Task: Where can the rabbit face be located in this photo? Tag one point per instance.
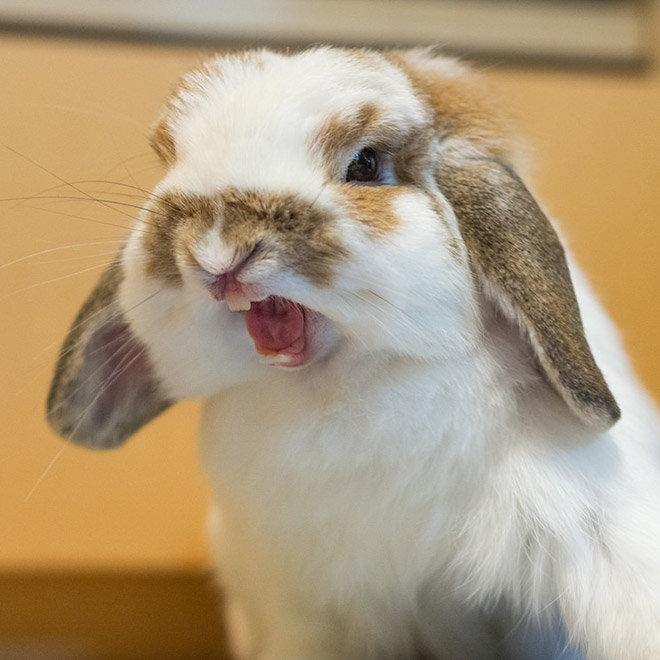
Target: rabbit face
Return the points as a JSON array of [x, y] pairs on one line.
[[319, 205], [298, 215]]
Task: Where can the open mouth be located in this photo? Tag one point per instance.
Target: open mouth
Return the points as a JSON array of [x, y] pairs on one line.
[[280, 330]]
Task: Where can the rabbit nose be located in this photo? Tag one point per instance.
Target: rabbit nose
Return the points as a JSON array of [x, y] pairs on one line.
[[224, 284], [220, 285]]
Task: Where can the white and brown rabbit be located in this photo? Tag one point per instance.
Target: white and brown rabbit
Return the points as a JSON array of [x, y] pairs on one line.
[[413, 449]]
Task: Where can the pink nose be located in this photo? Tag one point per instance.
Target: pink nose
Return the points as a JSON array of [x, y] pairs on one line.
[[223, 284], [226, 286]]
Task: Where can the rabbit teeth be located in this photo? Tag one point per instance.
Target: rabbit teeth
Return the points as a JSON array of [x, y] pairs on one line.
[[237, 301]]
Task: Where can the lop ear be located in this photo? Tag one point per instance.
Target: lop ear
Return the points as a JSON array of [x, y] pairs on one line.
[[104, 388], [518, 256]]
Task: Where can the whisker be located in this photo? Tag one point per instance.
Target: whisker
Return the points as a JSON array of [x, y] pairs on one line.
[[148, 193], [111, 183], [398, 292], [409, 320], [157, 166], [316, 199], [125, 339], [51, 189], [80, 257], [93, 220], [55, 279], [374, 317], [404, 319], [124, 163], [57, 249], [385, 300], [118, 371], [87, 319], [117, 193], [68, 440], [64, 181], [132, 178], [104, 202], [49, 467], [142, 154], [104, 254]]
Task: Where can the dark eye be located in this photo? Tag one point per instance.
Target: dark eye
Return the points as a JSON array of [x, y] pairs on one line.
[[364, 167]]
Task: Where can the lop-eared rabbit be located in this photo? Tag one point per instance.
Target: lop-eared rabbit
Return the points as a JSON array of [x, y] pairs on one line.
[[411, 396]]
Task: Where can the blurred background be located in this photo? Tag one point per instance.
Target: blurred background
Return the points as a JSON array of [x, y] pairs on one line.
[[103, 555]]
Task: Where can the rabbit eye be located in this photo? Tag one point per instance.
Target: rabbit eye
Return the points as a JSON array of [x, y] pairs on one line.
[[364, 167]]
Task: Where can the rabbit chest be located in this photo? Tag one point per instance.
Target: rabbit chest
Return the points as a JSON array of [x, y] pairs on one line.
[[333, 480]]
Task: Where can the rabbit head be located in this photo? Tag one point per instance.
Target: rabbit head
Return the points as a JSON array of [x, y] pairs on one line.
[[314, 203]]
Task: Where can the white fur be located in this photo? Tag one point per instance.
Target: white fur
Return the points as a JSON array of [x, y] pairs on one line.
[[421, 477]]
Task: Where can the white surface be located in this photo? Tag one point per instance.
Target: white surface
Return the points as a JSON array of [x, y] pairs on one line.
[[575, 29]]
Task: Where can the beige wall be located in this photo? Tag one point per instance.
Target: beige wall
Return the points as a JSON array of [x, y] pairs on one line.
[[81, 109]]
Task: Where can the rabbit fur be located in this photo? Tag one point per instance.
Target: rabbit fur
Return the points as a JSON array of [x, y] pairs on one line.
[[416, 450]]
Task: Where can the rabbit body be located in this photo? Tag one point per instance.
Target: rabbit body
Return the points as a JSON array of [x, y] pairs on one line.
[[421, 458], [401, 506]]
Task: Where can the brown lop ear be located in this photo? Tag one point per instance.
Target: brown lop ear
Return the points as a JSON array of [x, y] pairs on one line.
[[104, 388], [515, 250]]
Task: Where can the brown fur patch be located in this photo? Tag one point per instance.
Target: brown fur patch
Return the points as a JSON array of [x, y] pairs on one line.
[[176, 220], [162, 141], [373, 205], [301, 231], [513, 246], [161, 136], [460, 104], [339, 134], [412, 161]]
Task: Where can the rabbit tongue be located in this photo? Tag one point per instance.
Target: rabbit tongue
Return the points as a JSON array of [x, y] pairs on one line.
[[276, 325]]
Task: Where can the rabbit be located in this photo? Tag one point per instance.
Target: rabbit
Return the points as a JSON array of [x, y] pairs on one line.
[[412, 398]]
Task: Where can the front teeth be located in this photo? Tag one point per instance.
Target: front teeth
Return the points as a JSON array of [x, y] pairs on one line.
[[237, 301]]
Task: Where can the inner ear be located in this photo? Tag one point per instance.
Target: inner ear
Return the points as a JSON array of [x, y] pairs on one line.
[[104, 388], [521, 263]]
